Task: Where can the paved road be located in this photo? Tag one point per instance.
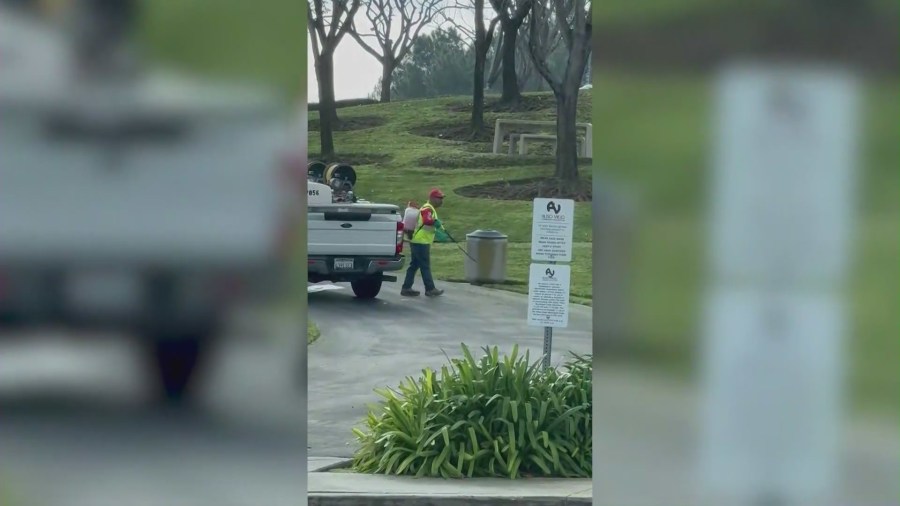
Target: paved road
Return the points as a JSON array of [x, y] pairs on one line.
[[369, 344], [74, 429]]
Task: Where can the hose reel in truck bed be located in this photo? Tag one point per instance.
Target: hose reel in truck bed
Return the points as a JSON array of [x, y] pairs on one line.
[[339, 178]]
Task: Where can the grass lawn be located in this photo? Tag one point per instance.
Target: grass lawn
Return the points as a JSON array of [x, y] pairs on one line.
[[410, 164], [312, 332], [616, 12], [6, 497], [262, 40], [670, 115]]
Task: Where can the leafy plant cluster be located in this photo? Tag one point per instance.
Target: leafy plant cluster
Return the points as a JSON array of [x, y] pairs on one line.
[[493, 417]]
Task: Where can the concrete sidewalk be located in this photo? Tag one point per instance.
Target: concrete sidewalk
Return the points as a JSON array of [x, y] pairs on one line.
[[351, 489]]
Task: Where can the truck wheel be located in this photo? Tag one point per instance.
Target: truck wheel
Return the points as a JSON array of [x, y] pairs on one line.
[[367, 288], [176, 360]]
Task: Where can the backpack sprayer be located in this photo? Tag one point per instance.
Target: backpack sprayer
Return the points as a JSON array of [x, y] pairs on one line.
[[411, 218]]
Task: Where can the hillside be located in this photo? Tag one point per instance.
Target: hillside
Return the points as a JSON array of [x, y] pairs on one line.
[[403, 149]]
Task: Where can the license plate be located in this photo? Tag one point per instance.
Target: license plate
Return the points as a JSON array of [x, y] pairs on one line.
[[343, 264], [103, 291]]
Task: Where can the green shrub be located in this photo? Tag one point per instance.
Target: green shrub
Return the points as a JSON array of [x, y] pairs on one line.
[[494, 417], [312, 332]]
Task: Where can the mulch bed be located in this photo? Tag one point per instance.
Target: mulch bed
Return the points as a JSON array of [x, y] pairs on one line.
[[529, 189], [354, 158], [529, 103], [351, 123], [454, 131]]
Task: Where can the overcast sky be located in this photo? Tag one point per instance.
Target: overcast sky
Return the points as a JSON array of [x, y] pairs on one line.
[[356, 72]]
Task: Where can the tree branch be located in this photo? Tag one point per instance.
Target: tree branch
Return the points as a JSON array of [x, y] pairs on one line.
[[369, 49], [336, 14], [348, 21], [490, 33], [313, 36], [562, 20], [496, 65], [522, 10], [538, 57], [413, 16]]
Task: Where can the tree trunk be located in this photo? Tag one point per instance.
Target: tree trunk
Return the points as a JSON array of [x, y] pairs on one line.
[[327, 109], [566, 133], [511, 92], [478, 80], [387, 79], [478, 94]]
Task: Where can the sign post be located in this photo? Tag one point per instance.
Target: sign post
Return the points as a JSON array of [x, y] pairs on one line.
[[548, 282]]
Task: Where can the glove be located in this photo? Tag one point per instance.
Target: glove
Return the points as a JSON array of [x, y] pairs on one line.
[[438, 224]]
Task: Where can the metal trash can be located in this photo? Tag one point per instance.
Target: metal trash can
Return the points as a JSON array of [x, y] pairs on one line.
[[488, 248]]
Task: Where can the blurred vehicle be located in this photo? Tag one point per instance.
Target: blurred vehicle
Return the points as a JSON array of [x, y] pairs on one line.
[[350, 239], [132, 199]]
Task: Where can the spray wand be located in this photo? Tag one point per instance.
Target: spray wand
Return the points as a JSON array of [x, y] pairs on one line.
[[459, 246]]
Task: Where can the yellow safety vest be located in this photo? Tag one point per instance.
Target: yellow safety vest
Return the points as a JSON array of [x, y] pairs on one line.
[[424, 234]]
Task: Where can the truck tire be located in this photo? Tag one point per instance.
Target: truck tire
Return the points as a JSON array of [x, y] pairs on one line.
[[367, 288], [175, 360]]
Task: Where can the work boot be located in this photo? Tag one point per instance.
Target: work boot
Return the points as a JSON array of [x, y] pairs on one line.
[[434, 292], [409, 292]]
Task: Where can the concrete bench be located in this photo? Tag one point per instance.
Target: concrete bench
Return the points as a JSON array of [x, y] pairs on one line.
[[504, 127], [521, 139]]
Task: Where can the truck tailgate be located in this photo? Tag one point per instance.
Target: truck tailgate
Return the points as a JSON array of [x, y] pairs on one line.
[[357, 231]]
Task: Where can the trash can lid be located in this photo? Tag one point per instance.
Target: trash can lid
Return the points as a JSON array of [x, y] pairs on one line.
[[486, 234]]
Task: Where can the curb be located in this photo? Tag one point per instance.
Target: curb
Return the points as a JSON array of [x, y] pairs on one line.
[[325, 499], [330, 467]]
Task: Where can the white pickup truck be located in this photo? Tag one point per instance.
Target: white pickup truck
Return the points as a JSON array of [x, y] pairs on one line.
[[147, 203], [350, 239]]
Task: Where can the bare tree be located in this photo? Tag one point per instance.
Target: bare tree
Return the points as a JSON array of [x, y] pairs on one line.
[[496, 60], [483, 38], [382, 14], [329, 21], [573, 19], [550, 39], [512, 14]]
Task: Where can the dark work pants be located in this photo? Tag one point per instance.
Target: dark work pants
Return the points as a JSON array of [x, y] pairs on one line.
[[420, 260]]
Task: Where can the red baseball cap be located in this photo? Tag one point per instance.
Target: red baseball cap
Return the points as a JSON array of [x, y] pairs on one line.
[[436, 194]]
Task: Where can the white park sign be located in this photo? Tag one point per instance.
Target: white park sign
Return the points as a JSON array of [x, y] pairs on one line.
[[552, 227], [548, 295], [551, 230]]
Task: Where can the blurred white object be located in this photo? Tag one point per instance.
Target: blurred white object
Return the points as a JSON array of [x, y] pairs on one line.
[[773, 375], [150, 204], [782, 208], [34, 58], [784, 175], [322, 287]]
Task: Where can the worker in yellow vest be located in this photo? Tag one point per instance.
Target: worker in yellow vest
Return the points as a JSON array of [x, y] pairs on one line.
[[420, 246]]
